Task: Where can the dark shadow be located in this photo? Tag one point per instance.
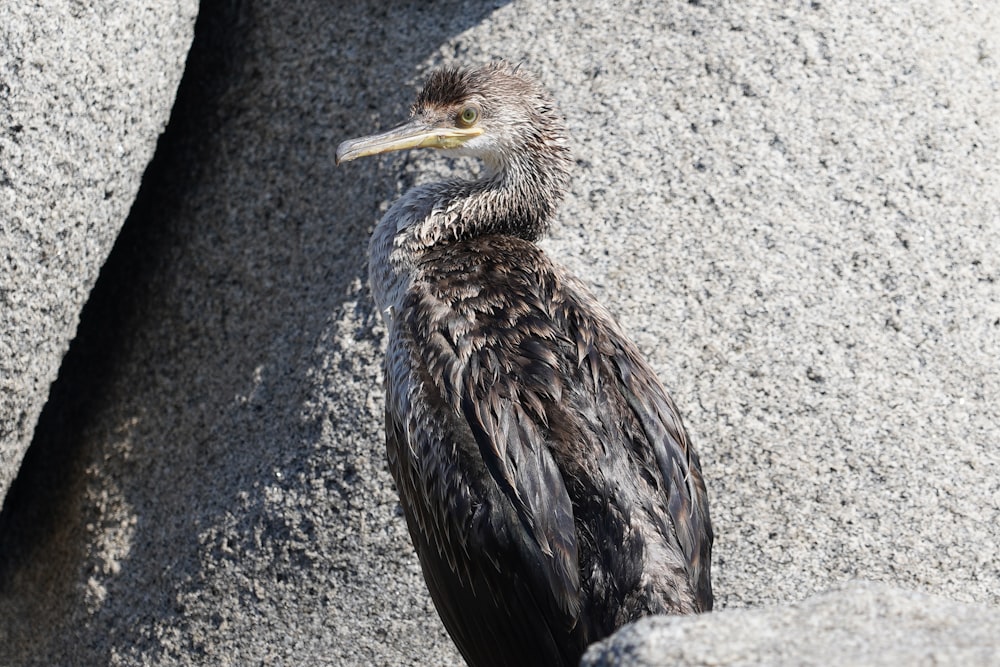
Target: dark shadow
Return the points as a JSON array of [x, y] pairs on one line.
[[161, 308], [46, 480]]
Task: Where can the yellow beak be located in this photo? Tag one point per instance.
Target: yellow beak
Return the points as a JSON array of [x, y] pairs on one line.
[[415, 134]]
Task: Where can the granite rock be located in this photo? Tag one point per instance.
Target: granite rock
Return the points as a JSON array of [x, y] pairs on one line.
[[860, 624], [86, 89], [790, 207]]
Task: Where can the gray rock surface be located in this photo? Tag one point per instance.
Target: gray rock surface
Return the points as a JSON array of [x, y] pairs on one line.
[[85, 90], [793, 209], [861, 624]]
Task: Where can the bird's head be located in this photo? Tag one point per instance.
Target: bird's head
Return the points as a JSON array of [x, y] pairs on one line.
[[496, 112]]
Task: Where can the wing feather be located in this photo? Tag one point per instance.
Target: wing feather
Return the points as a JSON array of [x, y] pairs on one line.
[[511, 479]]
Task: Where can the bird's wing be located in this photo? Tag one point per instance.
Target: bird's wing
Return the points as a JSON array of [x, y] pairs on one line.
[[481, 333], [541, 390], [487, 597], [484, 354], [631, 409], [680, 470]]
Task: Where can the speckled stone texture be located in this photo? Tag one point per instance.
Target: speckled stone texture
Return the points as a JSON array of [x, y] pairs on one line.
[[792, 207], [85, 90], [861, 624]]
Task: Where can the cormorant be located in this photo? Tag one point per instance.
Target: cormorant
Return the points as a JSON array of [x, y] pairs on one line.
[[548, 484]]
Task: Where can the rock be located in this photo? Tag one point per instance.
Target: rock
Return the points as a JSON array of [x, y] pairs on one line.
[[789, 207], [85, 90], [860, 624]]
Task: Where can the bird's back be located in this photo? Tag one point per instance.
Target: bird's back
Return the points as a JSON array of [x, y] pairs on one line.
[[547, 481]]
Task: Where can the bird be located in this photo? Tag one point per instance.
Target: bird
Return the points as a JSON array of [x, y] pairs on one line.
[[547, 481]]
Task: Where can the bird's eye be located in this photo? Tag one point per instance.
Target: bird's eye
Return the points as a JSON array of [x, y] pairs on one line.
[[469, 116]]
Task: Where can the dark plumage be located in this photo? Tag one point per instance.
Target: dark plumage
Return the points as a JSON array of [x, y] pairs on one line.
[[548, 483]]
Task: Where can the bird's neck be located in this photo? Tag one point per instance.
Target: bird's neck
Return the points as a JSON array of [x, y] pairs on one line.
[[516, 199]]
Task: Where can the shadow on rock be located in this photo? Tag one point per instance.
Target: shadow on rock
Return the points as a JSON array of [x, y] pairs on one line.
[[207, 478]]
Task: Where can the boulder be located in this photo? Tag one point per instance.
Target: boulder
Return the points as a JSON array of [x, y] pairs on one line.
[[863, 623], [790, 208], [86, 89]]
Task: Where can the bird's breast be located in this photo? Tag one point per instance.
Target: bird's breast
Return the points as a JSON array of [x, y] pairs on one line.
[[396, 244], [390, 272]]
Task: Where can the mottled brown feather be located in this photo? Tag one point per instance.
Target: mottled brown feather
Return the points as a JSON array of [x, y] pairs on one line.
[[549, 390]]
